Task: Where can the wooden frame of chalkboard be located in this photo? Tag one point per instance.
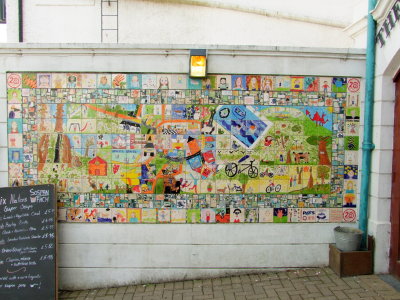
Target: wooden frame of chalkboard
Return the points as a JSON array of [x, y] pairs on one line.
[[28, 243]]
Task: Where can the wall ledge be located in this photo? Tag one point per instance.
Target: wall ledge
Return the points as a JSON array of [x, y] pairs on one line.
[[169, 49]]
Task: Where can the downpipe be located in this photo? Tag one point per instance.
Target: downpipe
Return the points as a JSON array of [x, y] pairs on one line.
[[367, 145]]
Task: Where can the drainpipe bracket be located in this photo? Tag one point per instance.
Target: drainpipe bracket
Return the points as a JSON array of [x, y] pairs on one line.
[[368, 146]]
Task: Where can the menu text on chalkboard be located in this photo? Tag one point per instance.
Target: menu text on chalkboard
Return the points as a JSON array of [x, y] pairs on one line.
[[28, 242]]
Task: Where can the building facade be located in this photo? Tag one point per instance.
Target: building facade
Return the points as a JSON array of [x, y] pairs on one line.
[[383, 202], [316, 92]]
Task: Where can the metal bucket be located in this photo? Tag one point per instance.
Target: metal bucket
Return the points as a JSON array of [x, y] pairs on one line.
[[347, 238]]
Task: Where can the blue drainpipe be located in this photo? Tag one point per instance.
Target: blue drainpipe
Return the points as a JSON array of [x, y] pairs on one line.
[[367, 145]]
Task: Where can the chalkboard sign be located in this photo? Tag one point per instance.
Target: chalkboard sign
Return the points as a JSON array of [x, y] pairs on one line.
[[28, 243]]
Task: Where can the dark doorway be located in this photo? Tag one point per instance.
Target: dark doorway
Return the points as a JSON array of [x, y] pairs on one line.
[[394, 264]]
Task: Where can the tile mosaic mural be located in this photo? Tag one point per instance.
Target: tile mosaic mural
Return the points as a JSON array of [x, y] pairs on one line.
[[165, 148]]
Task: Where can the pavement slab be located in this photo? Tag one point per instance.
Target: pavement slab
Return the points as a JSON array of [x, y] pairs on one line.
[[297, 284]]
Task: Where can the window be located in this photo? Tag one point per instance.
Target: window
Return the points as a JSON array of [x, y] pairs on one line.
[[2, 11]]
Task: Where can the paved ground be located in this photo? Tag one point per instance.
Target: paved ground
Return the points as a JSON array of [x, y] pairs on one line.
[[314, 283]]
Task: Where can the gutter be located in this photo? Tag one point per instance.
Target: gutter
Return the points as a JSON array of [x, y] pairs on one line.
[[367, 145]]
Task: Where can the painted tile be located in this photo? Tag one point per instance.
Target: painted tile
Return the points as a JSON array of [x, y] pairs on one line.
[[61, 214], [265, 215], [308, 215], [89, 81], [104, 215], [251, 215], [149, 81], [237, 215], [296, 83], [14, 80], [59, 81], [349, 215], [238, 82], [353, 99], [224, 82], [44, 81], [339, 84], [193, 216], [253, 82], [222, 215], [164, 215], [280, 215], [336, 215], [322, 215], [311, 84], [14, 96], [74, 80], [75, 215], [208, 215], [178, 215], [282, 83], [29, 80], [353, 85], [90, 215], [294, 215], [149, 215]]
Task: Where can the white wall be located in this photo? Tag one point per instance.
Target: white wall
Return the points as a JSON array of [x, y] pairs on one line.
[[177, 23], [98, 255], [310, 23], [55, 21], [387, 65], [3, 33], [122, 254]]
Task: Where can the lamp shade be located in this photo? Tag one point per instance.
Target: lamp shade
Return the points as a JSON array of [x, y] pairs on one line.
[[198, 63]]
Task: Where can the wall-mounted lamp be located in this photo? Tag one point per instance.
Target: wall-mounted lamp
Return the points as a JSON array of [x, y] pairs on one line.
[[198, 63]]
